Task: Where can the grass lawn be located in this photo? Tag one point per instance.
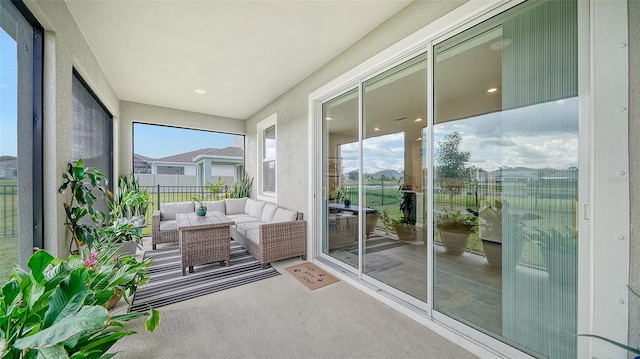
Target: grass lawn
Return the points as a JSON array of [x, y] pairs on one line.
[[8, 256]]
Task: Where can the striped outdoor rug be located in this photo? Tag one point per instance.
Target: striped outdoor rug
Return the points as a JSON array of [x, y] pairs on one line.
[[167, 285]]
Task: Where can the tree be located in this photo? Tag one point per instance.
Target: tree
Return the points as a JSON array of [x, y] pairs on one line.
[[451, 165]]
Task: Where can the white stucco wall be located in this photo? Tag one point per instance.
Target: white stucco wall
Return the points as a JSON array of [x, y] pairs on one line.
[[65, 49]]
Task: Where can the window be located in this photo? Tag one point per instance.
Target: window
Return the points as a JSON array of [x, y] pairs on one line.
[[174, 156], [267, 154], [21, 39]]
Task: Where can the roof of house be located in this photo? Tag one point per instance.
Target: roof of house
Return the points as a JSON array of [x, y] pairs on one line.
[[8, 162], [188, 157]]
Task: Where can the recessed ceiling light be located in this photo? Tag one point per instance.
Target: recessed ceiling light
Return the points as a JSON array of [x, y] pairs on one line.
[[377, 129], [418, 119], [493, 89], [200, 91], [329, 119]]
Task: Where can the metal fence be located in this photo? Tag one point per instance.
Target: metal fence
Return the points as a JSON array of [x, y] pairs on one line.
[[9, 210], [375, 195], [164, 194]]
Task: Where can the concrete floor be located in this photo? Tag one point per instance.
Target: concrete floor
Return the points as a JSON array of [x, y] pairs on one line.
[[280, 318]]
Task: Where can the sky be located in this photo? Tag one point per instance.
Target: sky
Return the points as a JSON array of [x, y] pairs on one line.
[[538, 136], [8, 95], [162, 141]]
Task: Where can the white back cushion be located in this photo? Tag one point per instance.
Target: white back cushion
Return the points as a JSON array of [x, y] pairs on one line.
[[284, 215], [247, 205], [268, 212], [215, 206], [169, 210], [235, 205], [256, 209]]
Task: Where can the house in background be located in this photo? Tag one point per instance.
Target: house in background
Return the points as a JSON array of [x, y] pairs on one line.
[[226, 164], [8, 167], [193, 168]]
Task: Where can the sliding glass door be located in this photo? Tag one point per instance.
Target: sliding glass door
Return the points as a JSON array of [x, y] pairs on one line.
[[374, 177], [340, 175], [465, 206], [506, 177]]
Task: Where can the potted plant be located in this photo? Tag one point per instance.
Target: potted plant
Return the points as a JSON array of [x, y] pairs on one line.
[[455, 227], [137, 202], [242, 188], [129, 203], [84, 183], [493, 219], [122, 235], [490, 232], [201, 209], [559, 252]]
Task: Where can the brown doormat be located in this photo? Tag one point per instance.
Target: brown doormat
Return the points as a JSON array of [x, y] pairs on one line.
[[311, 275]]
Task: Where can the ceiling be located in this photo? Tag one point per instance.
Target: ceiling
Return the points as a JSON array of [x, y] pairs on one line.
[[244, 54]]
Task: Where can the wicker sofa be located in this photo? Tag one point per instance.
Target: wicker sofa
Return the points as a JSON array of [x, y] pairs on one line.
[[264, 229]]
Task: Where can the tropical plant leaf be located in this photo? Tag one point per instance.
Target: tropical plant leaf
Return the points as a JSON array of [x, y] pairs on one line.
[[67, 298], [38, 263], [153, 322], [10, 292], [101, 342], [55, 274], [90, 318], [619, 345], [125, 317], [35, 293], [53, 352], [78, 170]]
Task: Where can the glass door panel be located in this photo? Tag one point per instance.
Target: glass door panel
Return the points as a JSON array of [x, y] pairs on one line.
[[341, 169], [8, 145], [394, 115], [506, 177]]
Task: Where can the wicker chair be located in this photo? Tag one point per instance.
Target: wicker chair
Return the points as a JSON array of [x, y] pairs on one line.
[[275, 241], [163, 222]]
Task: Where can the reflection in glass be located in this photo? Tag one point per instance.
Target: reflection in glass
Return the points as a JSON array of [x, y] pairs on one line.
[[341, 165], [394, 245], [506, 177], [269, 160]]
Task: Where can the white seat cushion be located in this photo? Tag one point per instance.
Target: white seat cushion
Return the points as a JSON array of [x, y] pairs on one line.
[[244, 227], [245, 219], [253, 235], [168, 225]]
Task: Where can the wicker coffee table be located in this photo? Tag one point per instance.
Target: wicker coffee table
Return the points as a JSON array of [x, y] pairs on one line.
[[203, 239]]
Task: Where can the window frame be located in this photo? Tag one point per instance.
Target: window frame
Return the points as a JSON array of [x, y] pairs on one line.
[[36, 200], [262, 126]]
